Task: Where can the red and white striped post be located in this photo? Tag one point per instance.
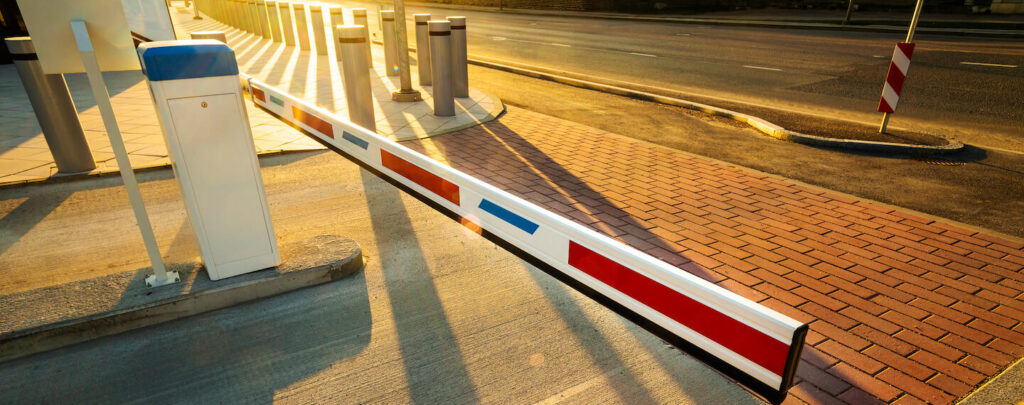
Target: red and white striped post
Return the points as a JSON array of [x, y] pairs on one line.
[[898, 68]]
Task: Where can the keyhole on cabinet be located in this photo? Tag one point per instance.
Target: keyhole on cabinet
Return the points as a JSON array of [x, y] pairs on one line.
[[203, 104]]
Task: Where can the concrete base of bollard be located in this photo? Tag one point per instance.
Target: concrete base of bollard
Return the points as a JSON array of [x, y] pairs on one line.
[[66, 314], [406, 96]]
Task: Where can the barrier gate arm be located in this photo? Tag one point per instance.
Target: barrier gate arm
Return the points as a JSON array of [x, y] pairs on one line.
[[754, 344]]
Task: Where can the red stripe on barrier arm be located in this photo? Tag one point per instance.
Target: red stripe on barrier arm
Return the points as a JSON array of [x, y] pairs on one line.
[[746, 341], [313, 121], [895, 78], [257, 93], [430, 181]]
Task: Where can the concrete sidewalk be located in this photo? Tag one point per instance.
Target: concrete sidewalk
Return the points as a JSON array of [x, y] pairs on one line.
[[902, 307]]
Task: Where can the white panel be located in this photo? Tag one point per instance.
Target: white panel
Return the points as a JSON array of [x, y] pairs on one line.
[[49, 25], [224, 188]]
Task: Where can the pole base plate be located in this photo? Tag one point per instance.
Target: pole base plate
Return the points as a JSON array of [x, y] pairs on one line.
[[406, 96], [172, 277]]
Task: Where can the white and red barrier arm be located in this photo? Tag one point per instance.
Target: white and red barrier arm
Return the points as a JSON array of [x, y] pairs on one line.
[[755, 344]]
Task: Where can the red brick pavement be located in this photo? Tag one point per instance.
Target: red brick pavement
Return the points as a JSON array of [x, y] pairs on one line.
[[901, 308]]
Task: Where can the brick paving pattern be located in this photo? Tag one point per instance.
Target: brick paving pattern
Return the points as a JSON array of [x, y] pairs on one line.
[[901, 308]]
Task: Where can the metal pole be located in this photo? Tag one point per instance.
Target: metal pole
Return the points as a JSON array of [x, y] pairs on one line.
[[460, 64], [441, 69], [99, 90], [849, 10], [356, 74], [55, 110], [422, 48], [195, 10], [406, 93], [359, 18], [913, 21], [910, 37]]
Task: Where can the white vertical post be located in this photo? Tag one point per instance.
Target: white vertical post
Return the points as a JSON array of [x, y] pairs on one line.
[[440, 63], [336, 19], [423, 48], [356, 74], [287, 29], [275, 21], [316, 16], [301, 29], [359, 18], [387, 28], [460, 68], [99, 90]]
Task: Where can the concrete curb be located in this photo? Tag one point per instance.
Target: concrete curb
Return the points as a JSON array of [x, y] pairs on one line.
[[768, 128], [75, 312], [1009, 34]]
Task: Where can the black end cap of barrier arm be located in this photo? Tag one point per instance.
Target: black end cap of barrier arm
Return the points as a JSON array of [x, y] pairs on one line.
[[773, 395]]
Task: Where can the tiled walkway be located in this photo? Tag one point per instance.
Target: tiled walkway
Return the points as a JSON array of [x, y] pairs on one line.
[[24, 155], [902, 308]]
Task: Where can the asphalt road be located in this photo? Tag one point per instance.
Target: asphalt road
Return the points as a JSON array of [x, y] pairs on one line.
[[970, 88]]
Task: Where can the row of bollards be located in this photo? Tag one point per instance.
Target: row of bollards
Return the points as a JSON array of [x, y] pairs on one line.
[[441, 46]]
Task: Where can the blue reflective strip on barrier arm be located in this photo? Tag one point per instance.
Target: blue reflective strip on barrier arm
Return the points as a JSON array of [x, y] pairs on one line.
[[508, 216]]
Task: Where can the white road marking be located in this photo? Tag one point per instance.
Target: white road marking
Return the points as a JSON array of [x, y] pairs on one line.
[[561, 45], [643, 54], [762, 68], [878, 56], [682, 35], [499, 38], [988, 64]]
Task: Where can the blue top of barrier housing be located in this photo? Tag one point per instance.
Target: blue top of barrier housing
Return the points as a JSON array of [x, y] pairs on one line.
[[188, 59]]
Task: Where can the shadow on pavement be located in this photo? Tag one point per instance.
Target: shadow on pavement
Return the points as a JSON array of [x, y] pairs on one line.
[[433, 362]]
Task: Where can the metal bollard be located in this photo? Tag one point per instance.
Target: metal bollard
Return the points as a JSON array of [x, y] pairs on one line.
[[254, 17], [301, 29], [54, 109], [422, 48], [275, 21], [218, 35], [460, 68], [356, 74], [387, 28], [285, 10], [336, 18], [261, 14], [441, 70], [250, 17], [359, 18], [316, 14]]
